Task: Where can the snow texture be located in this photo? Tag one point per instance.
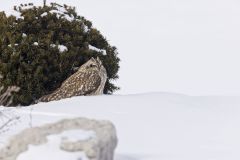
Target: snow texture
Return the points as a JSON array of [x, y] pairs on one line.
[[62, 48], [8, 118], [60, 12], [11, 45], [53, 146], [77, 135], [86, 29], [44, 14], [78, 138], [152, 126], [24, 35], [53, 45], [97, 49], [26, 7]]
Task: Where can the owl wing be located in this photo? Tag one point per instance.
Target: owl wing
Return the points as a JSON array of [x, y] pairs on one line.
[[82, 83]]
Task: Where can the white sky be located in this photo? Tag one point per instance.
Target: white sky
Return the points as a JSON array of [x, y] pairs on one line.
[[187, 46]]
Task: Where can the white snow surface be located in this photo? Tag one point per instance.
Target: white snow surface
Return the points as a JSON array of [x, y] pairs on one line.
[[60, 12], [97, 49], [77, 135], [24, 35], [154, 126], [44, 14], [53, 147], [62, 48], [53, 45]]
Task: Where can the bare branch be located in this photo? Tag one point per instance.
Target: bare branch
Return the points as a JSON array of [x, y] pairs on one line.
[[6, 98], [5, 124]]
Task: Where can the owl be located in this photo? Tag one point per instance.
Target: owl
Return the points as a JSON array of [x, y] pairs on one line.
[[89, 79]]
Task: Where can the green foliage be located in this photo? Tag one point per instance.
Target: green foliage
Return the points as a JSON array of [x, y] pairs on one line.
[[29, 50]]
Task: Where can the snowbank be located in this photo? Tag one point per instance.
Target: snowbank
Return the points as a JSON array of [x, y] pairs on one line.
[[68, 139], [154, 126]]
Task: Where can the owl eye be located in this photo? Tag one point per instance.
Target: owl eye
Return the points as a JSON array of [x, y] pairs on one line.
[[91, 65]]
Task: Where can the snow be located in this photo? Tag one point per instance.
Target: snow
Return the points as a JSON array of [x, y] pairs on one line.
[[44, 14], [14, 45], [152, 126], [62, 48], [97, 49], [24, 35], [86, 29], [78, 135], [60, 12], [53, 45], [53, 147], [17, 15]]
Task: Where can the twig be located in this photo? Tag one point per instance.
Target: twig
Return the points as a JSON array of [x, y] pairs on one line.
[[8, 122], [6, 98]]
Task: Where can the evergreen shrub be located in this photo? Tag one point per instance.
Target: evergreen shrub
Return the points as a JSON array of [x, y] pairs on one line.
[[43, 45]]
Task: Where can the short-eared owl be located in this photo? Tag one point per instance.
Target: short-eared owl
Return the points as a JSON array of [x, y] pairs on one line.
[[90, 79]]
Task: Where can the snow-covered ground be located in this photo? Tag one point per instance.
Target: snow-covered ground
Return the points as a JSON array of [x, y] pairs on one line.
[[154, 126], [52, 146]]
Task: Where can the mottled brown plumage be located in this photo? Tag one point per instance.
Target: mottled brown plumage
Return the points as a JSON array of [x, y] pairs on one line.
[[90, 79]]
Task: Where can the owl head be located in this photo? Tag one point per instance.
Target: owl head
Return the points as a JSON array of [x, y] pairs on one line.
[[94, 64]]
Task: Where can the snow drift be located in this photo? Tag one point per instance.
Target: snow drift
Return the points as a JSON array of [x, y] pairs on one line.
[[71, 139], [152, 126]]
